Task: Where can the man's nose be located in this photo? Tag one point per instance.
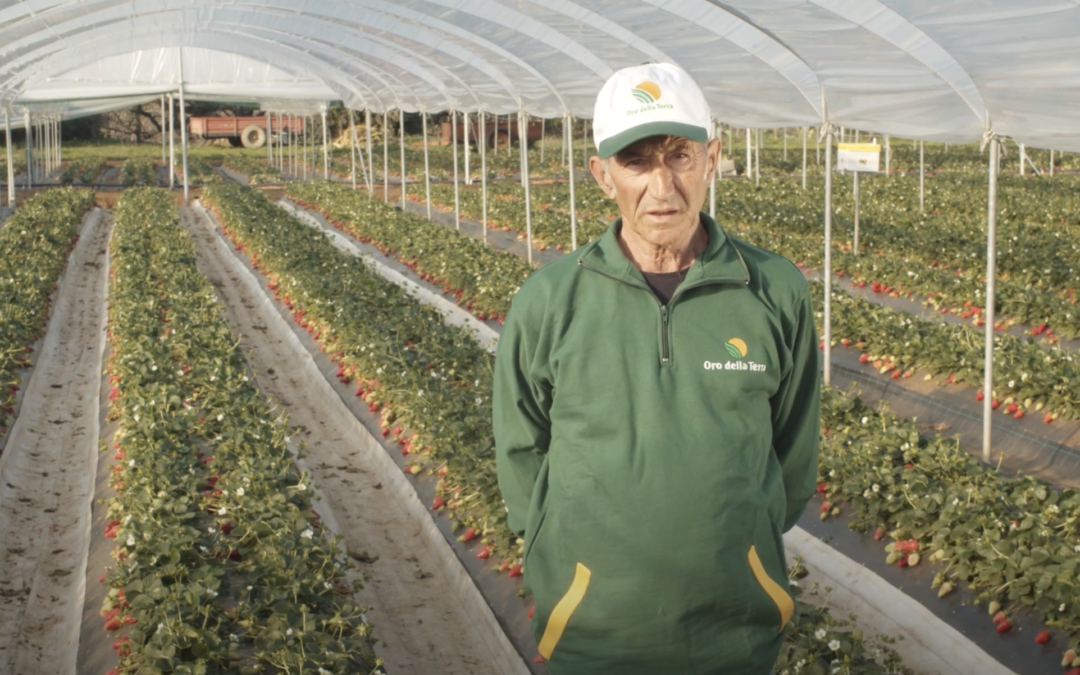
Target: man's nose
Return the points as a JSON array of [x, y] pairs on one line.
[[661, 180]]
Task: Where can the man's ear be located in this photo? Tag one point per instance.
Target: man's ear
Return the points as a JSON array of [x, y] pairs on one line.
[[603, 178], [712, 156]]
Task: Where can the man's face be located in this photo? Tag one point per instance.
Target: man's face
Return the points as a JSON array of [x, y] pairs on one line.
[[660, 184]]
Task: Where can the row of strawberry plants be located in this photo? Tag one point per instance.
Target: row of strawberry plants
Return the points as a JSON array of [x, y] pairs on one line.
[[82, 170], [1015, 542], [257, 170], [138, 171], [221, 565], [431, 385], [34, 246], [1038, 242], [481, 278], [1027, 377]]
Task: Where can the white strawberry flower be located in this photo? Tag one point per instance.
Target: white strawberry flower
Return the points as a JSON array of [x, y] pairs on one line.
[[834, 645], [131, 540], [221, 511], [307, 534], [865, 420], [820, 633], [220, 417], [289, 632], [211, 530], [239, 492]]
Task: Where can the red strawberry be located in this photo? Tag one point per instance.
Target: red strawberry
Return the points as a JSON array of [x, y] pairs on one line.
[[515, 571], [863, 358], [821, 487], [1018, 414], [226, 527], [879, 534], [235, 556], [113, 624], [484, 553], [438, 503], [825, 506], [994, 404], [1042, 638], [1004, 626], [540, 659], [979, 396], [469, 535], [999, 617], [1011, 408], [1048, 418]]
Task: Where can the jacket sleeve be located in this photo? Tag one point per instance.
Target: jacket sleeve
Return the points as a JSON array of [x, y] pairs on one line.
[[521, 403], [796, 410]]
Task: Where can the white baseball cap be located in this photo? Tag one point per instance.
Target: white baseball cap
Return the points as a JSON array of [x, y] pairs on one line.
[[655, 99]]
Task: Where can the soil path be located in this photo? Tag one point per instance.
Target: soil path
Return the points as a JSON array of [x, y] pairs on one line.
[[47, 474], [422, 623]]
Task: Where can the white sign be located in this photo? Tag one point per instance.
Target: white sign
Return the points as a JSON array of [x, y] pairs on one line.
[[865, 157]]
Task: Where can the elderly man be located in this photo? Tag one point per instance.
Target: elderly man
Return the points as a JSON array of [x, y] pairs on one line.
[[656, 413]]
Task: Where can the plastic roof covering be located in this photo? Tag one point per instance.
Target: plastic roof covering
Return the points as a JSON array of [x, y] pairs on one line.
[[926, 69]]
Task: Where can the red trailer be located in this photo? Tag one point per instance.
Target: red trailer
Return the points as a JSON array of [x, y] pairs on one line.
[[249, 132], [500, 137]]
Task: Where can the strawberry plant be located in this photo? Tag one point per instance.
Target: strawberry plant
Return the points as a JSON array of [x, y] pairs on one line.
[[34, 246], [138, 171], [1014, 541], [221, 565], [481, 278], [257, 171]]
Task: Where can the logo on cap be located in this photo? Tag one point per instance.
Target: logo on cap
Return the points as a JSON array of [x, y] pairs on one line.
[[736, 347], [646, 92]]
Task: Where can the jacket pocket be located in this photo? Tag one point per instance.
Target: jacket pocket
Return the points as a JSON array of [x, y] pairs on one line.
[[779, 596], [564, 609]]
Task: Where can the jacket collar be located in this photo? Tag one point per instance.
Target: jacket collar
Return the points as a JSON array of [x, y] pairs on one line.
[[720, 262]]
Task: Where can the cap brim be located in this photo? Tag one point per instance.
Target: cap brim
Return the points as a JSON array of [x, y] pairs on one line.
[[610, 146]]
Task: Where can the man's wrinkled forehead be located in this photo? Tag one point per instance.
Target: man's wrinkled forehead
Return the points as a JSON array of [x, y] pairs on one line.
[[654, 145]]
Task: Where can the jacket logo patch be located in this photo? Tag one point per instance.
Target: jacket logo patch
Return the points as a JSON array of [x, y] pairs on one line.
[[737, 348]]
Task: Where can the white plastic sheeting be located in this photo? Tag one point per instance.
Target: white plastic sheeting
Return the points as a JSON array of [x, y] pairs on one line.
[[910, 68]]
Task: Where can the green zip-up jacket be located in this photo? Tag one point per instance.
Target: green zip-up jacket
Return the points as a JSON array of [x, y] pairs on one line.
[[652, 456]]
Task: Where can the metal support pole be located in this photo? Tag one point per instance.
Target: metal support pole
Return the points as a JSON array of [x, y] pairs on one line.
[[183, 142], [585, 140], [163, 129], [1023, 158], [483, 171], [352, 147], [855, 193], [10, 158], [888, 155], [804, 132], [304, 145], [573, 210], [1051, 161], [523, 147], [749, 155], [922, 179], [427, 164], [453, 141], [370, 157], [401, 146], [46, 147], [465, 128], [326, 149], [386, 155], [785, 144], [269, 138], [827, 272], [757, 158], [543, 133], [172, 142], [562, 144], [29, 150], [991, 276]]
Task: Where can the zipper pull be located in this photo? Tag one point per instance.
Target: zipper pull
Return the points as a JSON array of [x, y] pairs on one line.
[[664, 313]]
